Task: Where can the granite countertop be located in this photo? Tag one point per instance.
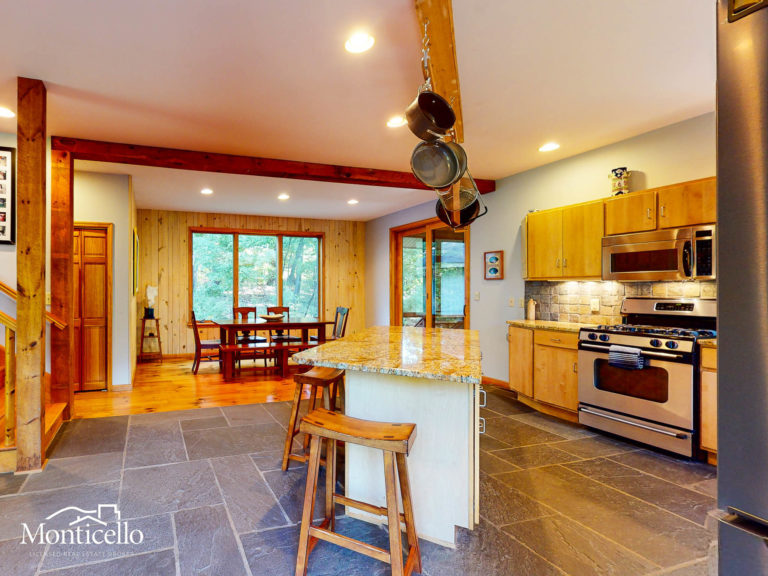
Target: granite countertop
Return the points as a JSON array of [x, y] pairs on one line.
[[708, 342], [432, 353], [549, 325]]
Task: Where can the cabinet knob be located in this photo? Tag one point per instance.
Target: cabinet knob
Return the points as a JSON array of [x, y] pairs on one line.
[[648, 213], [555, 339], [557, 263], [575, 368], [661, 211], [565, 262]]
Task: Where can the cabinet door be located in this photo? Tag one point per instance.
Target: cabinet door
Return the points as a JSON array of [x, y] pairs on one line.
[[687, 204], [709, 410], [545, 244], [582, 236], [633, 212], [555, 377], [521, 360]]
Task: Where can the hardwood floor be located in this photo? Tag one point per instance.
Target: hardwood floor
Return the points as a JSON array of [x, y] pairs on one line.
[[172, 386]]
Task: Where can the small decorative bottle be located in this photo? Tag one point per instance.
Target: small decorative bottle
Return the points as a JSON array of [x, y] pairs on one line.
[[531, 311]]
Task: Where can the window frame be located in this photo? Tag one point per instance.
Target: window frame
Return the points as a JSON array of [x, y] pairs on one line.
[[280, 234]]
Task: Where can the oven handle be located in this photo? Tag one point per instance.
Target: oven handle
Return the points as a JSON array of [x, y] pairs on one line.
[[635, 424], [644, 352]]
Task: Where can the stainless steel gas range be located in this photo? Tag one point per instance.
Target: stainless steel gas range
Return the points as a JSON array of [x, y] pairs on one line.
[[640, 379]]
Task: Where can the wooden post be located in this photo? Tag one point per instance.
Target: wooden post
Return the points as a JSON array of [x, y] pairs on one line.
[[10, 386], [30, 274], [62, 282]]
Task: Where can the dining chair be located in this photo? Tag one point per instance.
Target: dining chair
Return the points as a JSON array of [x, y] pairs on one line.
[[201, 345], [281, 335], [339, 324], [245, 337]]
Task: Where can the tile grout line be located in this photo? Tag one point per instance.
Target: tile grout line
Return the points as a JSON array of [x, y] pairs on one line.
[[592, 530], [611, 458], [176, 560], [639, 499], [236, 536]]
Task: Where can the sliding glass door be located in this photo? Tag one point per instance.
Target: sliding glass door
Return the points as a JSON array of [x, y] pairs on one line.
[[430, 275]]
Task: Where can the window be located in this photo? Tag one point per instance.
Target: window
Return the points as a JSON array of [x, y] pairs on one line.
[[230, 269]]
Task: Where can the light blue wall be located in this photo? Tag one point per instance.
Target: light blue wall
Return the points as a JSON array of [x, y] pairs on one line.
[[675, 153]]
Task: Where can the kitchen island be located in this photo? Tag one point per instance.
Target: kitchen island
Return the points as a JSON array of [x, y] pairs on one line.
[[429, 376]]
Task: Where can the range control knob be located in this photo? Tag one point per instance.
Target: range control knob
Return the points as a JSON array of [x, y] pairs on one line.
[[671, 344], [656, 343], [592, 336], [604, 337]]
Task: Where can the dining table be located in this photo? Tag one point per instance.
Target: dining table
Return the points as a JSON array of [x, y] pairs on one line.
[[229, 328]]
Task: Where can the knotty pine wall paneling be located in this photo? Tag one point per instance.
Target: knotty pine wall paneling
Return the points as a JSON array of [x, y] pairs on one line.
[[164, 249]]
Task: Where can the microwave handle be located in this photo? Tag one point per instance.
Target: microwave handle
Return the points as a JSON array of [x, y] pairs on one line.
[[687, 259]]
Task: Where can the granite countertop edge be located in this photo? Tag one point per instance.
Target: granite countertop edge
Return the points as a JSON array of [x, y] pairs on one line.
[[468, 379], [550, 325]]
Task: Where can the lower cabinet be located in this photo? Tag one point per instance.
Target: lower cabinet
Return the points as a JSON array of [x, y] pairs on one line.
[[543, 366], [555, 368], [708, 414]]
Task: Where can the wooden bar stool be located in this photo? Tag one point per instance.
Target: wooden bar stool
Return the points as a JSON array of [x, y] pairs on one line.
[[395, 440], [329, 379]]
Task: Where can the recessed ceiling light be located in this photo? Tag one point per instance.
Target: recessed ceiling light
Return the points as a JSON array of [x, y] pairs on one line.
[[283, 196], [6, 112], [359, 42], [396, 121], [353, 201], [206, 191], [549, 146]]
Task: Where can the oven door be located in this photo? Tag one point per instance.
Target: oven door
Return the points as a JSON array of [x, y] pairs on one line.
[[649, 258], [661, 392]]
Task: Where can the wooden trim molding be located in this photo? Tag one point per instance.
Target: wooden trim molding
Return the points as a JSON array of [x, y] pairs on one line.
[[135, 154]]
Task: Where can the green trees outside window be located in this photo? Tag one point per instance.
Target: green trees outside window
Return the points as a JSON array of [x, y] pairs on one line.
[[216, 289]]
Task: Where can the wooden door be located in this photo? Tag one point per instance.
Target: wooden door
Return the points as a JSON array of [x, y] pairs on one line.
[[582, 240], [521, 360], [688, 203], [92, 294], [545, 244], [634, 212]]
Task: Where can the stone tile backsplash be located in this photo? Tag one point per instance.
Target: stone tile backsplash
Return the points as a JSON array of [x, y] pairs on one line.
[[571, 301]]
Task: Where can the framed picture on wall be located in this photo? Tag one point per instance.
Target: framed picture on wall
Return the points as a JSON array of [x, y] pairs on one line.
[[7, 195], [494, 265], [135, 261]]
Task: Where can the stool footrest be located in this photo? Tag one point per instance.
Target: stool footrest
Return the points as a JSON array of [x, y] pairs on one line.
[[350, 544], [364, 506]]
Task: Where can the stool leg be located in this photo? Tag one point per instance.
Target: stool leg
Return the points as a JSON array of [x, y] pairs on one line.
[[393, 516], [330, 483], [292, 425], [410, 522], [312, 405], [309, 506]]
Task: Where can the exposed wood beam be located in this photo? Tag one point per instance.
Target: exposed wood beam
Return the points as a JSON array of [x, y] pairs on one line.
[[443, 68], [62, 282], [230, 164], [30, 275]]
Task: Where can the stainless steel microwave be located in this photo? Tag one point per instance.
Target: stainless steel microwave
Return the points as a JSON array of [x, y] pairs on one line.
[[674, 254]]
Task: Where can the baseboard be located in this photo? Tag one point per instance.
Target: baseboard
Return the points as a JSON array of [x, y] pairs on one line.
[[487, 381]]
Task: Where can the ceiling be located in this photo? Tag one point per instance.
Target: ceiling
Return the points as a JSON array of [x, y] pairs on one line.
[[272, 79]]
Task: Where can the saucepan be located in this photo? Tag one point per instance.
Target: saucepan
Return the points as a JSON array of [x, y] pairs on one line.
[[438, 164], [470, 210], [430, 116]]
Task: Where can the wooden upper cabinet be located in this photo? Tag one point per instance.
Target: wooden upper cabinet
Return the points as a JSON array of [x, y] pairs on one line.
[[634, 212], [582, 236], [545, 244], [688, 203]]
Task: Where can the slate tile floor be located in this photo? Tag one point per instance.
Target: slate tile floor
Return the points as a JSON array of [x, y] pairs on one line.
[[205, 488]]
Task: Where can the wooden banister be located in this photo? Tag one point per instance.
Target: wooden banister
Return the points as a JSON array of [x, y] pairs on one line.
[[50, 318], [7, 321]]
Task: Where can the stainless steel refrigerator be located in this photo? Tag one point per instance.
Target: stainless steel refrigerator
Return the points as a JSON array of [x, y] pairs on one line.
[[742, 194]]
